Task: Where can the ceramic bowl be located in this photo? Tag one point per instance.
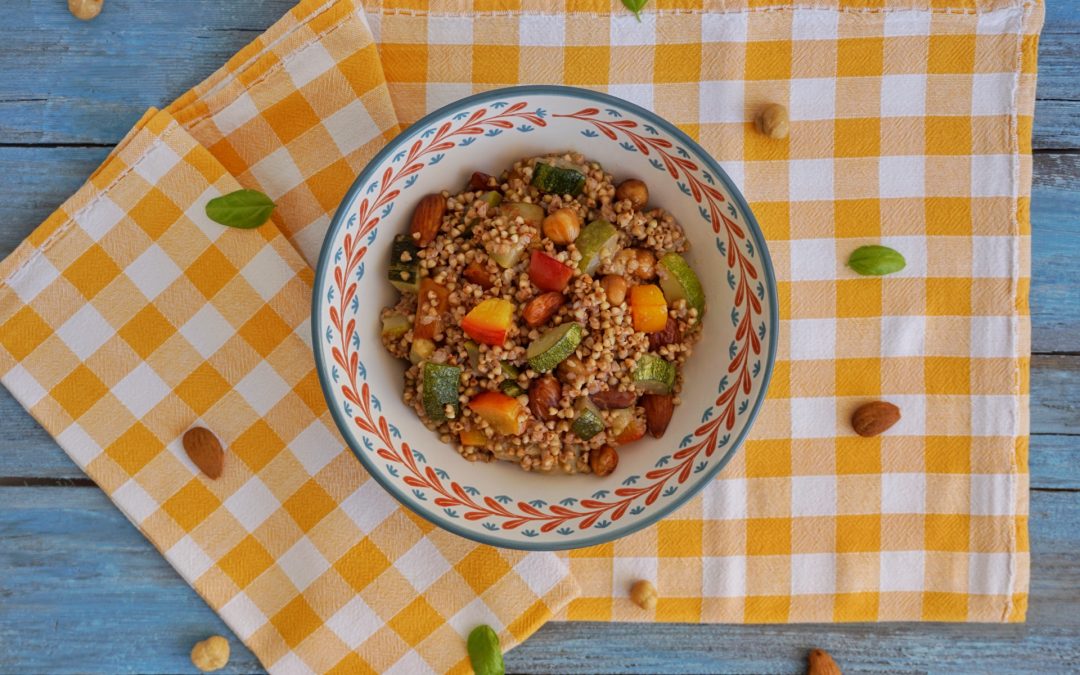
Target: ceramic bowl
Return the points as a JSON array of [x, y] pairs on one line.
[[497, 503]]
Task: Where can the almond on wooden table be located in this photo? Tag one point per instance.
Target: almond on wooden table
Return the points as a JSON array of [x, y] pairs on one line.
[[204, 450], [871, 419], [820, 663], [427, 218]]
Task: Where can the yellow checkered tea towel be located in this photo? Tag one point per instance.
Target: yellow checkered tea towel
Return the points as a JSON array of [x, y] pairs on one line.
[[910, 127], [129, 317]]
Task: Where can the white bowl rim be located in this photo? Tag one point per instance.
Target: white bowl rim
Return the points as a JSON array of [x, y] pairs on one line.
[[317, 326]]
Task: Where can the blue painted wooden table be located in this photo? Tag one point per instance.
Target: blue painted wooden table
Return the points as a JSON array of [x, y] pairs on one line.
[[82, 591]]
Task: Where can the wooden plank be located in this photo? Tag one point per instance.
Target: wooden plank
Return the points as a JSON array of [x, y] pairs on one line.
[[1055, 246], [29, 452], [83, 592], [103, 74], [96, 89]]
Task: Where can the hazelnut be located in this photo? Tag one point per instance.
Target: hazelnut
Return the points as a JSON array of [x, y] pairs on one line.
[[603, 460], [773, 121], [210, 654], [562, 226], [615, 287], [85, 10], [634, 190], [643, 593]]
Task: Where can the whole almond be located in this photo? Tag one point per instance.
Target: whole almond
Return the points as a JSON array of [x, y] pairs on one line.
[[478, 274], [427, 218], [542, 307], [820, 663], [871, 419], [658, 410], [204, 450], [610, 399], [544, 394]]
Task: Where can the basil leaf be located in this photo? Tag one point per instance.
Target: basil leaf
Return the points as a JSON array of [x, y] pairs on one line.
[[484, 651], [876, 260], [635, 6], [243, 209]]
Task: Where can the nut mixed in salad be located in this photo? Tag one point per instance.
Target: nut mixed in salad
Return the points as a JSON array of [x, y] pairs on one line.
[[546, 314]]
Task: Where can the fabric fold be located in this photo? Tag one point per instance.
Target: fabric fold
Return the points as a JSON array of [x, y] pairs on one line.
[[129, 317]]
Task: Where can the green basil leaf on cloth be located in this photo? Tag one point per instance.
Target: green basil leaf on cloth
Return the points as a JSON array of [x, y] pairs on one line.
[[243, 209], [876, 260]]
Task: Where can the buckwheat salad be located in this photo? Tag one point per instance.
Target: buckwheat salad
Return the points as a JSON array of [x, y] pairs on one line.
[[546, 314]]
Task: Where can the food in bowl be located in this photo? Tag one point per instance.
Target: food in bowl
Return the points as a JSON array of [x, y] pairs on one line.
[[546, 314]]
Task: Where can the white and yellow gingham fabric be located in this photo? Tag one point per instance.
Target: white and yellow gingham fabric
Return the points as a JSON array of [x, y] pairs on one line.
[[128, 317], [911, 123]]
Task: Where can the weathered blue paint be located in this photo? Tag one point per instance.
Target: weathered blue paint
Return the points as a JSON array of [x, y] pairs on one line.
[[82, 591]]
